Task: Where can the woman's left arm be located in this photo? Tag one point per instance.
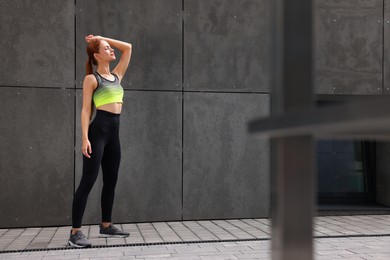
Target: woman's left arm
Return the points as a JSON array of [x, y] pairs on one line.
[[125, 48]]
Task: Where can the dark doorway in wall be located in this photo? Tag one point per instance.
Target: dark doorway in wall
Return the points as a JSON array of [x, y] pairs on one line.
[[346, 172]]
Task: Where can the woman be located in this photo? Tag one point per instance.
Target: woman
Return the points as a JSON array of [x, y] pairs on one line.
[[100, 139]]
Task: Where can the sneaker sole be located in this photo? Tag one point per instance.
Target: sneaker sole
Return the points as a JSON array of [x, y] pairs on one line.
[[113, 236], [78, 246]]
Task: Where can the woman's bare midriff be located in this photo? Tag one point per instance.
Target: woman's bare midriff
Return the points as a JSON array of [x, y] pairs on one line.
[[115, 108]]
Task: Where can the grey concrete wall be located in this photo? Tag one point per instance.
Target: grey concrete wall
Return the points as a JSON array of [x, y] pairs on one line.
[[349, 47], [36, 156], [386, 49], [150, 181], [154, 127], [200, 69], [218, 35], [37, 37], [36, 112], [226, 172], [154, 28]]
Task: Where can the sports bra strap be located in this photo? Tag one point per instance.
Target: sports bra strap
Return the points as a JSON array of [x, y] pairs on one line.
[[98, 79]]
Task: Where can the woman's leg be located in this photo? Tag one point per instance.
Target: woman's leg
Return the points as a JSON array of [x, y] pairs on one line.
[[90, 172], [110, 167]]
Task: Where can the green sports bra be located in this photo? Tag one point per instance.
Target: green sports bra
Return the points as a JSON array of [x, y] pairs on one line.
[[107, 91]]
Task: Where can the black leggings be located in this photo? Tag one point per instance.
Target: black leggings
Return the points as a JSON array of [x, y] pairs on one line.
[[103, 134]]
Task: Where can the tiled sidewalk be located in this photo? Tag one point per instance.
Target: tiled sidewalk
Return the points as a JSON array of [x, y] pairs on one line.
[[358, 248], [191, 231]]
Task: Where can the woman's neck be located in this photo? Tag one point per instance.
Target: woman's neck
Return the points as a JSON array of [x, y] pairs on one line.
[[104, 69]]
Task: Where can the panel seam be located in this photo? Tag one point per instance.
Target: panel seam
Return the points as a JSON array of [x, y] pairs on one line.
[[182, 110], [74, 98]]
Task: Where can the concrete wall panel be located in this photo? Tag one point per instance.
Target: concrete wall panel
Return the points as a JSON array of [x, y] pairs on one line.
[[226, 171], [227, 45], [37, 39], [348, 41], [386, 48], [36, 156], [150, 181], [154, 27]]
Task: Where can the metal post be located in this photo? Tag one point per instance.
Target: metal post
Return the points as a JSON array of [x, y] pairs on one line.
[[292, 166], [292, 198]]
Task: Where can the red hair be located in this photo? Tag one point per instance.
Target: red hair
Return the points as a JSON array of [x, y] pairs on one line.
[[92, 48]]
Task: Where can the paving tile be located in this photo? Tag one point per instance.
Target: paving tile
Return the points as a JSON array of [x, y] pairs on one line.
[[165, 232], [37, 245], [134, 240], [116, 241], [12, 234], [98, 241]]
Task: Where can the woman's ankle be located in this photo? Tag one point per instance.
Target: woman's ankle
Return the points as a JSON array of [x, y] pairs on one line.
[[106, 224], [74, 230]]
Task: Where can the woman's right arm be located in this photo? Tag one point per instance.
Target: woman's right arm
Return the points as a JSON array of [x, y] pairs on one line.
[[89, 86]]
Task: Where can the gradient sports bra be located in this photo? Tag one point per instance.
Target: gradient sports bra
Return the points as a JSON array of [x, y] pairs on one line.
[[107, 91]]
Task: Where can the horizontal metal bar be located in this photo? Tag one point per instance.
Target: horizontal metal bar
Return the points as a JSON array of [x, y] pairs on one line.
[[368, 119]]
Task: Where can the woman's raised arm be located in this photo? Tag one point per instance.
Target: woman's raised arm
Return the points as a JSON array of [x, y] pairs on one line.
[[123, 47]]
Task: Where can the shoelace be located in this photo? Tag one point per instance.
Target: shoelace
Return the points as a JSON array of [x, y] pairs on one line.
[[113, 228], [80, 235]]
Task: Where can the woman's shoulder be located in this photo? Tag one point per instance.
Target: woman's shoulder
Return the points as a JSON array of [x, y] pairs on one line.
[[90, 80], [90, 77]]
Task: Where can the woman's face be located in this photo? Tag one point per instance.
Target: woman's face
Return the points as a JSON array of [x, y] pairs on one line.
[[106, 53]]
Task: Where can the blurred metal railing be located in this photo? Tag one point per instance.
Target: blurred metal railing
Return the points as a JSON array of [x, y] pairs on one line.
[[295, 123]]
